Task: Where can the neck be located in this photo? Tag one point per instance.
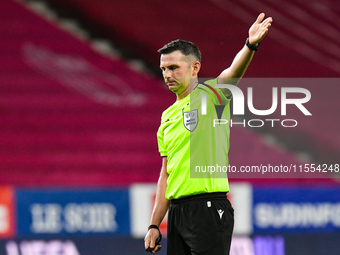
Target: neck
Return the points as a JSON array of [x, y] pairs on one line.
[[190, 87]]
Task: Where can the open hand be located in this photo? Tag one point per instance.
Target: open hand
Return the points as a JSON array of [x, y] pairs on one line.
[[259, 29]]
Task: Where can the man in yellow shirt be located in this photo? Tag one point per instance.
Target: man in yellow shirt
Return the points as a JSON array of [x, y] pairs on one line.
[[201, 218]]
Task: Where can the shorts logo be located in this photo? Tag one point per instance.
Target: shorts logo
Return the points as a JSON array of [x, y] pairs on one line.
[[190, 119], [220, 212]]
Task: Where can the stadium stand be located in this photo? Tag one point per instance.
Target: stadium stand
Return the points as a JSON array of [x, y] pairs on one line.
[[302, 43], [220, 26], [69, 115], [73, 116]]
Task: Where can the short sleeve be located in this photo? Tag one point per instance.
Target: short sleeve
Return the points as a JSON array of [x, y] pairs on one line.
[[213, 83], [160, 140]]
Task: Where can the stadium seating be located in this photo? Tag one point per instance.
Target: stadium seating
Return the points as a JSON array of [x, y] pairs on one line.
[[73, 116], [303, 43]]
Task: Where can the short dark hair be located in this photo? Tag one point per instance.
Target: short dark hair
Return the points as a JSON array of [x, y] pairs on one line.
[[185, 47]]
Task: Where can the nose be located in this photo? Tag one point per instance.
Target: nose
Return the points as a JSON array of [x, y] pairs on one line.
[[166, 74]]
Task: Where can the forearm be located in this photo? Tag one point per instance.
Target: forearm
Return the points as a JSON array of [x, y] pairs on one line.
[[160, 208], [238, 66], [161, 203]]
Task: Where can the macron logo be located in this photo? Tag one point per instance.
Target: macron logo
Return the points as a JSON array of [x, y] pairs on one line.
[[220, 212]]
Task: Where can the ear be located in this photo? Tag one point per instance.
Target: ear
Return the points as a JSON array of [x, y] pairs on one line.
[[196, 66]]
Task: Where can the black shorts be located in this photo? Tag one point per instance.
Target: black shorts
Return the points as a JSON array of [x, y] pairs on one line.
[[200, 225]]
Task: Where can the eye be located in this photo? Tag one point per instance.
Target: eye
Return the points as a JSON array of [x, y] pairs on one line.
[[172, 68]]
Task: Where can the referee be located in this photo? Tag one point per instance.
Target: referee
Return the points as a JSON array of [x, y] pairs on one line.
[[201, 218]]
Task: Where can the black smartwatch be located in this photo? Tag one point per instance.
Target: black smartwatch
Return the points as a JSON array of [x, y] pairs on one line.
[[252, 47]]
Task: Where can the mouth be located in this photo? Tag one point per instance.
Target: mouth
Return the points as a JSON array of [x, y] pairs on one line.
[[171, 84]]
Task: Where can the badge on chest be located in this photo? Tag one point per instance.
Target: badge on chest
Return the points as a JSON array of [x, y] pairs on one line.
[[190, 119]]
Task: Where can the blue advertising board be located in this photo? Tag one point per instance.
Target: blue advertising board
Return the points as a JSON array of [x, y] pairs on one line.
[[85, 245], [296, 210], [48, 212]]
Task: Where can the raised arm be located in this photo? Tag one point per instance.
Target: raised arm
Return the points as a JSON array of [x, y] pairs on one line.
[[234, 73], [160, 208]]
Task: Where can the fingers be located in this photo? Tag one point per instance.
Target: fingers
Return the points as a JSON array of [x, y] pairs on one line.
[[150, 240], [147, 241], [157, 248], [260, 18], [154, 249], [267, 22], [264, 25]]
